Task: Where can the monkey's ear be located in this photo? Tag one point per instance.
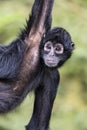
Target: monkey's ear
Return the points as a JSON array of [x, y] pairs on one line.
[[72, 46]]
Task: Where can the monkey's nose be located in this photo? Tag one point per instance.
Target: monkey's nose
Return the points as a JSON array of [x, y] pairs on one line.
[[52, 52]]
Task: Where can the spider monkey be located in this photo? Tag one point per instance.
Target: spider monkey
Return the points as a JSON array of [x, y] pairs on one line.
[[55, 49], [31, 62], [19, 61]]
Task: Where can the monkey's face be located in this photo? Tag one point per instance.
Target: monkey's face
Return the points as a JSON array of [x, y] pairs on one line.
[[56, 47], [51, 52]]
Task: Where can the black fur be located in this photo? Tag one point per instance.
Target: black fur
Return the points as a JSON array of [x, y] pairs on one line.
[[44, 98], [18, 63], [49, 78], [10, 59], [22, 68], [37, 10], [59, 35]]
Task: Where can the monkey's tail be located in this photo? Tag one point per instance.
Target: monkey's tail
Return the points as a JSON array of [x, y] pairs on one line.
[[40, 19]]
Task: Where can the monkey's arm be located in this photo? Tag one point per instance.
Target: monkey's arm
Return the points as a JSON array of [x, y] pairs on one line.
[[44, 99], [39, 21], [11, 56], [13, 92]]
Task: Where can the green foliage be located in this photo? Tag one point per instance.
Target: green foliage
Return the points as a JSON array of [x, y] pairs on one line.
[[70, 108]]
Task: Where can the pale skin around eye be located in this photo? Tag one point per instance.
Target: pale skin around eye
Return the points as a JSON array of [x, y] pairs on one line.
[[58, 47]]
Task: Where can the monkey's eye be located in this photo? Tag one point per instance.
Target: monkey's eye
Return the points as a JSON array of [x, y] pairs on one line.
[[59, 49], [48, 46]]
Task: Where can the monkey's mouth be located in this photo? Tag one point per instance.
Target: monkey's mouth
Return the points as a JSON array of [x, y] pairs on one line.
[[51, 63]]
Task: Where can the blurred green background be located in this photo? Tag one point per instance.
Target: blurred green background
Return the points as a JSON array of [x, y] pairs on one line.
[[70, 107]]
